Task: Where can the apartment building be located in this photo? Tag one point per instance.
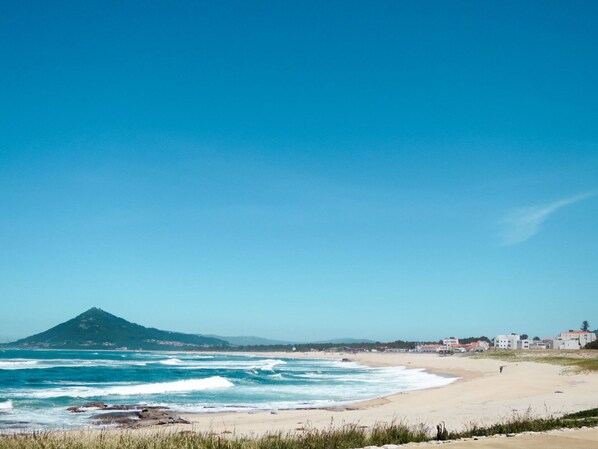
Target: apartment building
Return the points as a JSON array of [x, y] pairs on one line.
[[573, 339], [506, 341]]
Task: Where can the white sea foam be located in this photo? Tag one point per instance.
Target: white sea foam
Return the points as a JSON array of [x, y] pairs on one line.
[[179, 386], [39, 419], [7, 405], [171, 361], [18, 364], [246, 365], [269, 364], [171, 354]]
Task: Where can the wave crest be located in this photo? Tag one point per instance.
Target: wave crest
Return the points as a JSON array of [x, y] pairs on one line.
[[179, 386], [171, 361], [18, 364], [269, 364]]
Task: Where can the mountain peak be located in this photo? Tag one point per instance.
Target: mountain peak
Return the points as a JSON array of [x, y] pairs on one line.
[[95, 311]]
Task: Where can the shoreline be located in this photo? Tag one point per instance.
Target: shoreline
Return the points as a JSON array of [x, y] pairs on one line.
[[456, 374], [481, 395]]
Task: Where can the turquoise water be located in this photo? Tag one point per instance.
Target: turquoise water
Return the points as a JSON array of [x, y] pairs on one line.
[[36, 387]]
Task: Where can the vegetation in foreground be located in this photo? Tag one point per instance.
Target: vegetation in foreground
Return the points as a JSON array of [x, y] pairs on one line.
[[582, 361], [345, 437]]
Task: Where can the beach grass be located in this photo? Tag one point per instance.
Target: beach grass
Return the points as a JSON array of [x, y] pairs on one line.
[[526, 422], [343, 437], [579, 361]]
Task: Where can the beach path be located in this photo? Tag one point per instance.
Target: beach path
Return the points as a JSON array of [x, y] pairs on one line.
[[558, 439]]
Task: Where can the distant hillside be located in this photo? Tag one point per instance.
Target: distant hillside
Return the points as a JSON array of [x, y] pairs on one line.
[[96, 329], [345, 341], [250, 341], [259, 341]]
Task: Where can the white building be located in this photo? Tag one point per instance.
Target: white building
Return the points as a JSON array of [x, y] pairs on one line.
[[524, 344], [480, 346], [541, 344], [451, 341], [573, 339], [428, 348], [506, 341]]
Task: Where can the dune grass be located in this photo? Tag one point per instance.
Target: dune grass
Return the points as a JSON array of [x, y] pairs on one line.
[[579, 361], [343, 437], [519, 423]]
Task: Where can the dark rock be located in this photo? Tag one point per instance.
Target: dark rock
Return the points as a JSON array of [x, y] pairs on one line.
[[114, 416], [96, 404], [118, 407], [75, 409], [125, 419], [131, 415], [135, 407], [81, 408]]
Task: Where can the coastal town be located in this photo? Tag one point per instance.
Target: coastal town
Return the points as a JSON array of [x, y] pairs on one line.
[[568, 340]]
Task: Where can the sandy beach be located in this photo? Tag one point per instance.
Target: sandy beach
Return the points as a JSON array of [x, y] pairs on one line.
[[482, 395]]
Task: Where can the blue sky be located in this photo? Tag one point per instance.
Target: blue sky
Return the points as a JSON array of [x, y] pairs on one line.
[[300, 170]]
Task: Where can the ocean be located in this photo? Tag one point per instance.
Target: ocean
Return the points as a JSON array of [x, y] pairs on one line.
[[36, 387]]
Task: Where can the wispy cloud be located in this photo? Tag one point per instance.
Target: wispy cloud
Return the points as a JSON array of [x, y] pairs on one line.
[[522, 224]]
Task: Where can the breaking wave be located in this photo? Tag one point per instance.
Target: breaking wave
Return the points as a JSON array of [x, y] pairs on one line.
[[179, 386], [18, 364], [171, 361], [270, 364]]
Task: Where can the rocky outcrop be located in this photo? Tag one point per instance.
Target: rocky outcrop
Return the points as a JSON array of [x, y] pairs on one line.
[[130, 415]]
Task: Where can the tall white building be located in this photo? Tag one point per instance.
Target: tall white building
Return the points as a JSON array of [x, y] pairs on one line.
[[573, 339], [506, 341]]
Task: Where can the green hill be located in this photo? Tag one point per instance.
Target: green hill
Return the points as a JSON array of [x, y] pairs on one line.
[[96, 329]]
